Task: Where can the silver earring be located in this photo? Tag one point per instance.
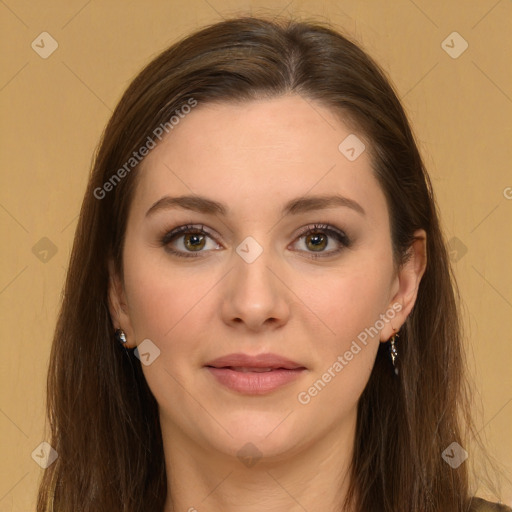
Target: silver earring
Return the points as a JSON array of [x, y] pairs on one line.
[[394, 352], [120, 336]]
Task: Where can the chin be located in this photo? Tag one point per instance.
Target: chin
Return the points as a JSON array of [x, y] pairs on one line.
[[260, 434]]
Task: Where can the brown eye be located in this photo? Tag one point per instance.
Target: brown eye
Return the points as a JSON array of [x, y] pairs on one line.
[[319, 237], [187, 241], [194, 241], [316, 242]]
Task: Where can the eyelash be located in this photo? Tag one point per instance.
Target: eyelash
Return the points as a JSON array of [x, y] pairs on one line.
[[340, 236]]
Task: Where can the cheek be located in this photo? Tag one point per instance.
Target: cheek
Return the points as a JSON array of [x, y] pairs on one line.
[[346, 345], [160, 301], [349, 301], [166, 308]]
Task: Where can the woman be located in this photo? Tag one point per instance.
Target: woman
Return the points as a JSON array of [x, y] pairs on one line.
[[259, 312]]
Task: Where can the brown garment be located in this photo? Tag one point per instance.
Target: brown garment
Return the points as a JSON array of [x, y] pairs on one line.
[[481, 505]]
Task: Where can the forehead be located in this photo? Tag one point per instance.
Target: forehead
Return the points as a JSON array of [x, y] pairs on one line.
[[262, 152]]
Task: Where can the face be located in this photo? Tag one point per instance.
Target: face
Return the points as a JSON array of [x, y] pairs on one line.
[[269, 271]]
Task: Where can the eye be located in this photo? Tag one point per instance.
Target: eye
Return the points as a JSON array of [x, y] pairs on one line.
[[193, 241], [317, 240]]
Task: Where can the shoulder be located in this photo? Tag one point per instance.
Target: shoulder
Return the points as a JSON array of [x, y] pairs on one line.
[[481, 505]]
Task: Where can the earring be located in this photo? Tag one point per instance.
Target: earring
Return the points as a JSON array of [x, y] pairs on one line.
[[394, 352], [120, 336]]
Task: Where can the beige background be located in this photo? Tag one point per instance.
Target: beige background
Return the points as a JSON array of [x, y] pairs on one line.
[[54, 110]]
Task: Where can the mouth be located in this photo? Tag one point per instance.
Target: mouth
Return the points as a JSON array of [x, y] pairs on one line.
[[261, 362], [245, 369], [254, 375]]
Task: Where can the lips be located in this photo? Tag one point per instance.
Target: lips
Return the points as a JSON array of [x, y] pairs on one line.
[[259, 363], [254, 375], [253, 369]]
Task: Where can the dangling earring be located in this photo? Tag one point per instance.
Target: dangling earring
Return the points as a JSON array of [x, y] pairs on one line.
[[394, 352], [120, 336]]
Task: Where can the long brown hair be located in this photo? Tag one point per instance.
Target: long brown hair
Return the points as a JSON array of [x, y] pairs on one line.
[[103, 418]]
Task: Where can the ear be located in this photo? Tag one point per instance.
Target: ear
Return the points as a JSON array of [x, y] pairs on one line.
[[406, 283], [118, 307]]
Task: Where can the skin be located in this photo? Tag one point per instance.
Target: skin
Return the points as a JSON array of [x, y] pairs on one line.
[[254, 157]]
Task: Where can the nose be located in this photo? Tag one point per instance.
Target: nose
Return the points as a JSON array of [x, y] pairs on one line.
[[255, 295]]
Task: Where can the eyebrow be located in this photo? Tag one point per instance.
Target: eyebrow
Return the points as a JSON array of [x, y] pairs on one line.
[[296, 206]]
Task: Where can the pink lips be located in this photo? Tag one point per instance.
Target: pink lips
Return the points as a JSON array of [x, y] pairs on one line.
[[254, 375]]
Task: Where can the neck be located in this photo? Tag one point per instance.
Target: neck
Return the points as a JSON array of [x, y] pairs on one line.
[[314, 477]]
